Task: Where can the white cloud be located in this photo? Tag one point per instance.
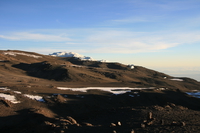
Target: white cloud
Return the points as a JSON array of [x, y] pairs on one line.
[[189, 37], [131, 20], [122, 41], [35, 37], [9, 37], [167, 5], [50, 50], [105, 40]]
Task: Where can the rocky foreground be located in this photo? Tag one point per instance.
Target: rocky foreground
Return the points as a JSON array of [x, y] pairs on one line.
[[31, 101]]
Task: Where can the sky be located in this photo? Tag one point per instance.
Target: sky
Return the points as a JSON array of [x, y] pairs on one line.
[[159, 34]]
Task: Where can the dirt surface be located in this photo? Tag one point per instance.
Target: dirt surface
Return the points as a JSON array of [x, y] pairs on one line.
[[161, 108]]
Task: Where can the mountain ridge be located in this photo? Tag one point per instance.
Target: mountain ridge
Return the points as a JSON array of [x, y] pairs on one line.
[[43, 93]]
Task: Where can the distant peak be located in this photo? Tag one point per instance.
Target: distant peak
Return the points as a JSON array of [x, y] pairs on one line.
[[71, 54]]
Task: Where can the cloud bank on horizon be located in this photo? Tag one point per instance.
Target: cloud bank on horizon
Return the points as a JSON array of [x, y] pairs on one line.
[[129, 27], [102, 41]]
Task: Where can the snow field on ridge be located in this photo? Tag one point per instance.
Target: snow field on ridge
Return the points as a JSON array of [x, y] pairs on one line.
[[122, 90], [71, 54], [114, 90], [76, 55], [20, 53]]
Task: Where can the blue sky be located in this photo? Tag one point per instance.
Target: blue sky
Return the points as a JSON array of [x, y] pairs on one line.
[[158, 34]]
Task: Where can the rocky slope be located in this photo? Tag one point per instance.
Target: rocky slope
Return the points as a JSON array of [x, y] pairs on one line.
[[30, 100]]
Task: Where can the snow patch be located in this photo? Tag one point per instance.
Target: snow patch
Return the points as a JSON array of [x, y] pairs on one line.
[[114, 90], [131, 95], [18, 92], [9, 98], [176, 79], [4, 89], [17, 53], [161, 89], [103, 60], [194, 94], [13, 99], [38, 98]]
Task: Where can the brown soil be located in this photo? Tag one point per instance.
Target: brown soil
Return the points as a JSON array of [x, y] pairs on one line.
[[154, 110]]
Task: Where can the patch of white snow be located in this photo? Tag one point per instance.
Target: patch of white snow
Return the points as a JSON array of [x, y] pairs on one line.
[[103, 61], [194, 94], [131, 95], [17, 53], [38, 98], [18, 92], [176, 79], [9, 98], [114, 90], [4, 89], [161, 89]]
